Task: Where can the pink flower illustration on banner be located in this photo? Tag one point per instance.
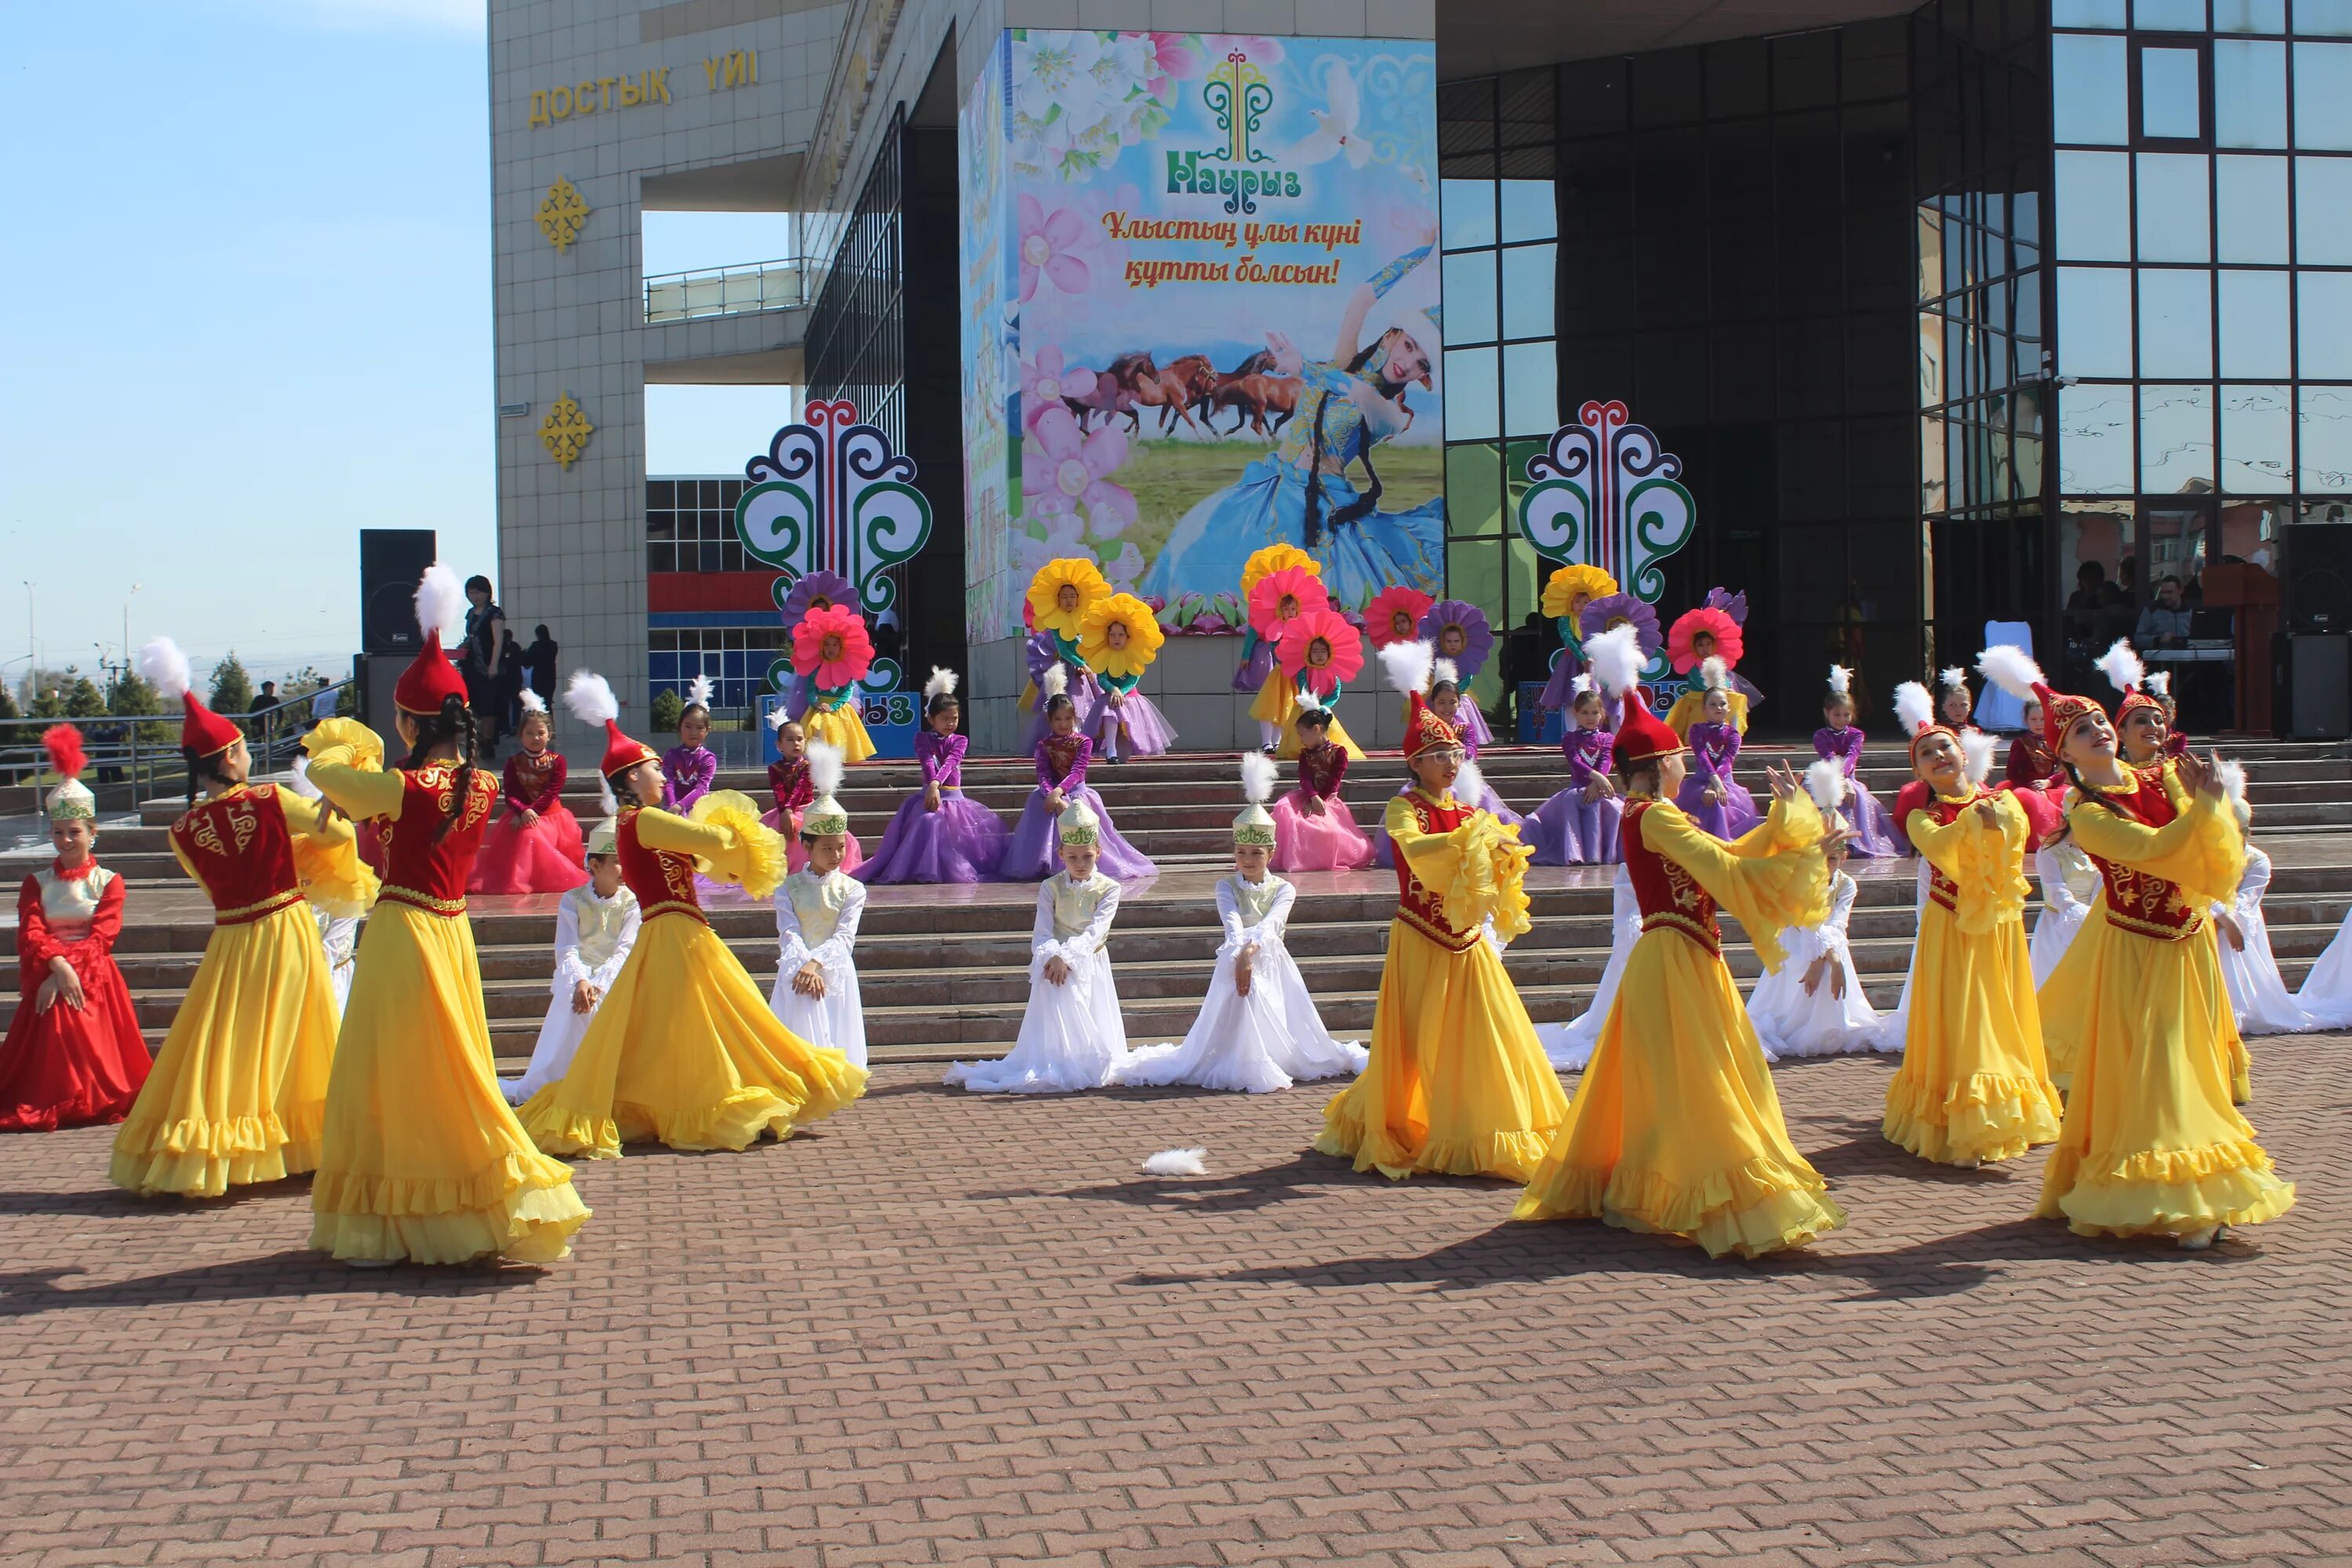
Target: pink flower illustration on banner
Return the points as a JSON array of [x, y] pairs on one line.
[[1257, 50], [1066, 475], [1174, 58], [1046, 380], [1051, 244]]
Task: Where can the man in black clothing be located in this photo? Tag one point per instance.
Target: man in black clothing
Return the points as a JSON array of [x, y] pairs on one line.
[[540, 660]]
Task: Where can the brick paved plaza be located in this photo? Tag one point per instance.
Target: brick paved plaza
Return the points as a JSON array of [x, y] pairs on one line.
[[949, 1330]]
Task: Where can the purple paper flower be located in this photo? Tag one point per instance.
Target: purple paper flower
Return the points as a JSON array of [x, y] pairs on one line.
[[1622, 609], [1732, 605], [1477, 640], [814, 589]]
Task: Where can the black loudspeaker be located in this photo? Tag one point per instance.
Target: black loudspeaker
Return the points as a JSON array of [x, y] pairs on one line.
[[2311, 685], [392, 561], [2315, 578], [375, 674]]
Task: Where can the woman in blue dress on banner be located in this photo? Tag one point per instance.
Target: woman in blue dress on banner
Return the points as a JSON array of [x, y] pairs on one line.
[[1299, 493]]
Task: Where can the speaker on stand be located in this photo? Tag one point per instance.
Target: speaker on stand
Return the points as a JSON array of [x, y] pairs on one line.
[[2311, 693], [392, 563]]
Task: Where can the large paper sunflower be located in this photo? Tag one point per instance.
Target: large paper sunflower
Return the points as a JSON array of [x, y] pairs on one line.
[[829, 646], [1136, 645], [1478, 638], [1319, 649], [1264, 564], [1394, 616], [1082, 577], [1568, 590], [1283, 597], [1684, 649]]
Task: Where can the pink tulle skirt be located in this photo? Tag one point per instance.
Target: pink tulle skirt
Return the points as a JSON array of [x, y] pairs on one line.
[[545, 857], [1311, 841], [796, 852]]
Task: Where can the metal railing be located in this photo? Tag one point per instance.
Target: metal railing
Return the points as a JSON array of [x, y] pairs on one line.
[[783, 284], [149, 769]]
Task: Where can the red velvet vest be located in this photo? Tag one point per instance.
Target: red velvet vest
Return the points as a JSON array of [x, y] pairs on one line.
[[662, 880], [2137, 902], [419, 872], [1422, 907], [1916, 796], [1670, 897], [243, 853]]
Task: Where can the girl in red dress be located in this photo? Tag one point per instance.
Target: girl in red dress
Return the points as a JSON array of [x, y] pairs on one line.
[[74, 1055], [535, 847]]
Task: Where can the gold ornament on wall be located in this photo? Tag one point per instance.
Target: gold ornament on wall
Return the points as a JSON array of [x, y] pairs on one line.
[[562, 214], [565, 431]]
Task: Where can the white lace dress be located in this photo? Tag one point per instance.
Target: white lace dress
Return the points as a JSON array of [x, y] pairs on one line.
[[593, 938], [1266, 1040], [817, 917], [2069, 883], [1895, 1025], [1072, 1036], [1569, 1046], [1791, 1024], [2257, 994]]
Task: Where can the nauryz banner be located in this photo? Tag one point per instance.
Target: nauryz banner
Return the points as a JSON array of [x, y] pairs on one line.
[[1200, 315]]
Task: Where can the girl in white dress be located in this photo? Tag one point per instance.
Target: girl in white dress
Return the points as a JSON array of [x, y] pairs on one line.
[[2069, 883], [595, 927], [1813, 1005], [2257, 993], [1258, 1029], [1072, 1036], [339, 934], [2326, 993], [1569, 1045], [818, 909]]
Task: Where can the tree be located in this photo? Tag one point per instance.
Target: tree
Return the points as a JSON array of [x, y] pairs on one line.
[[49, 700], [668, 706], [83, 699], [232, 688], [7, 704], [134, 693]]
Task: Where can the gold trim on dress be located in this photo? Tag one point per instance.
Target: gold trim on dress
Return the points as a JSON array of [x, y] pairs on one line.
[[251, 912], [447, 907], [2160, 932], [1450, 940], [673, 906], [1700, 932]]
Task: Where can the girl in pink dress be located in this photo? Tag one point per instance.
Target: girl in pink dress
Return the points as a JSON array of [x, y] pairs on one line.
[[1313, 829], [535, 846]]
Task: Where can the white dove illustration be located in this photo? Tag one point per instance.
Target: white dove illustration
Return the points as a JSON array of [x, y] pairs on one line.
[[1334, 132]]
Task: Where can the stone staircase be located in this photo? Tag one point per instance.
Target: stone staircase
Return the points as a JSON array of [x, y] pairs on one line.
[[943, 971]]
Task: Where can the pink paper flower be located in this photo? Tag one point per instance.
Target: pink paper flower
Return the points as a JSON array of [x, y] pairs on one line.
[[1046, 380], [1054, 245], [1066, 475], [1175, 57]]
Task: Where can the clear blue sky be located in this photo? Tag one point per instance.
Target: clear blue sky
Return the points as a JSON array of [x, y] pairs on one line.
[[249, 259]]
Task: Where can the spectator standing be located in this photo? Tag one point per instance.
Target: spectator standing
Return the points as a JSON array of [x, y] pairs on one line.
[[487, 663], [540, 658]]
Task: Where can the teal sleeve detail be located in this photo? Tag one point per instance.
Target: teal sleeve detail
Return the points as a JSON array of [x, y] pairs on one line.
[[1388, 276]]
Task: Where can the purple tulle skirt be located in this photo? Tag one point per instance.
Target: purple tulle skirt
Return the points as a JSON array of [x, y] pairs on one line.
[[1035, 853], [1735, 816], [1384, 855], [963, 841], [1873, 824], [1328, 840], [1147, 732], [1571, 830]]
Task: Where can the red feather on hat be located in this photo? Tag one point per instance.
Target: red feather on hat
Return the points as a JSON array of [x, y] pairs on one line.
[[63, 743]]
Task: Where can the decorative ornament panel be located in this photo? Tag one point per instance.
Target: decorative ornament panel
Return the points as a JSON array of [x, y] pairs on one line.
[[564, 214], [565, 431]]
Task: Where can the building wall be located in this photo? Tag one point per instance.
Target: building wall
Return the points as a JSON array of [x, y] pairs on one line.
[[572, 543]]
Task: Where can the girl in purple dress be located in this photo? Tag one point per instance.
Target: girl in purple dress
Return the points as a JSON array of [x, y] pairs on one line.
[[1049, 652], [688, 768], [938, 835], [1061, 758], [1577, 827], [1710, 797], [1837, 741]]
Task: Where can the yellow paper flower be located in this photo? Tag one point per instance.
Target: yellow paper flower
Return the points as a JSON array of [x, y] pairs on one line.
[[1566, 585], [1273, 559], [1142, 643], [1046, 593]]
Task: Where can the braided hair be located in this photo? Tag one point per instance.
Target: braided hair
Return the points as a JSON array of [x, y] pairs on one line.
[[454, 722], [1357, 509]]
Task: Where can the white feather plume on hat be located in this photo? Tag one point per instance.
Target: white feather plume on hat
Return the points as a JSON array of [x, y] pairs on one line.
[[1952, 677], [440, 603], [1825, 781], [942, 683], [1469, 784], [824, 765], [1444, 672], [590, 698], [1976, 755], [1914, 708], [533, 702], [2012, 670], [1055, 680], [1257, 777], [1617, 659], [1841, 681], [161, 662], [2158, 684], [1713, 673], [1406, 664], [2121, 666], [699, 690]]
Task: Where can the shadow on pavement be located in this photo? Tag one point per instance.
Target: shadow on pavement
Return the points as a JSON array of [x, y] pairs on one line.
[[278, 1276]]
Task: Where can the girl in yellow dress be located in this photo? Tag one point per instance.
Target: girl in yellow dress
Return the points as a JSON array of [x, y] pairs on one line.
[[684, 1050], [1973, 1088], [1676, 1127], [422, 1157], [1456, 1084], [238, 1093], [1280, 601], [2150, 1144]]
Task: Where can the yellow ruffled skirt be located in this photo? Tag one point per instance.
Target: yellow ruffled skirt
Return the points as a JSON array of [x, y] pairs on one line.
[[1457, 1084], [238, 1094], [839, 727], [685, 1051], [422, 1159], [1676, 1127], [1973, 1088], [1277, 703], [2150, 1144], [2065, 1018]]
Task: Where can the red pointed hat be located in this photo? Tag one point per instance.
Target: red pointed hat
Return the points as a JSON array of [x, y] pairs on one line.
[[1914, 713], [1425, 731], [590, 698], [202, 732], [430, 678], [2013, 670], [2124, 671], [1617, 659]]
